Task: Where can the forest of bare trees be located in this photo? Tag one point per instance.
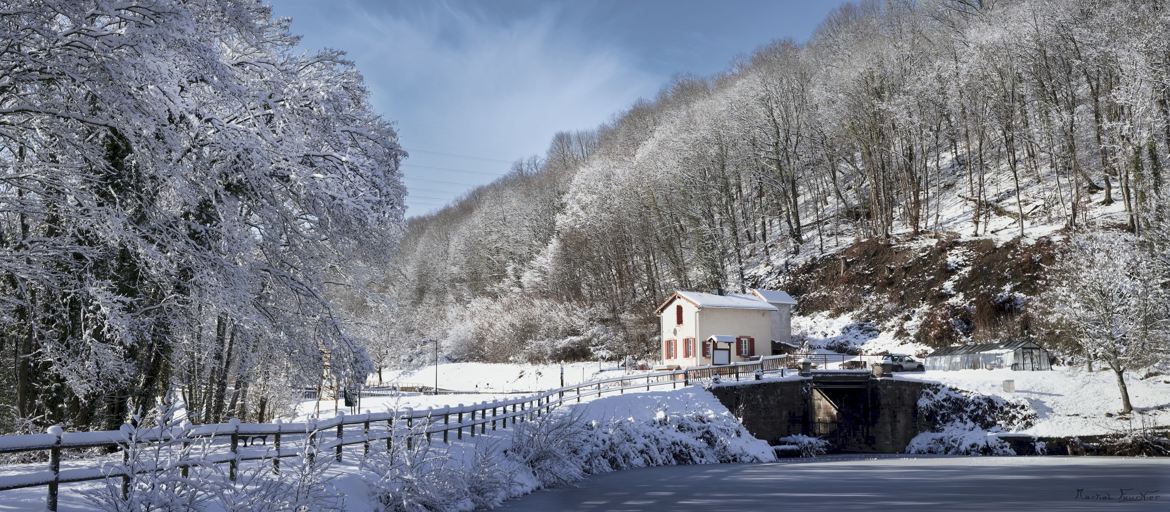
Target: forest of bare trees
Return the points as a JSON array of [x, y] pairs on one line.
[[897, 118]]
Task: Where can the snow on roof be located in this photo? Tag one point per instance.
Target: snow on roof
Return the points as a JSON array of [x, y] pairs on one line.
[[774, 296], [710, 300], [722, 338]]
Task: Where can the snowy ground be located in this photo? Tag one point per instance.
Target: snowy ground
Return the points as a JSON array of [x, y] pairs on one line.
[[393, 402], [499, 378], [1068, 401], [887, 483], [462, 383]]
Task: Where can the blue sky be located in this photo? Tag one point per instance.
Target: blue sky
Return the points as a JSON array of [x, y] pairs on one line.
[[474, 85]]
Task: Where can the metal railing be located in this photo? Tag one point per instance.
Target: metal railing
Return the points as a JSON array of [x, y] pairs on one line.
[[346, 430]]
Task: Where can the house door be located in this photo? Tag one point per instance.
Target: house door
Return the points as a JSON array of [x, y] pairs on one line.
[[721, 356]]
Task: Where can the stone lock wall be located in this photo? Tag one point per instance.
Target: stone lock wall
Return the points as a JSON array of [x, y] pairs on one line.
[[871, 416]]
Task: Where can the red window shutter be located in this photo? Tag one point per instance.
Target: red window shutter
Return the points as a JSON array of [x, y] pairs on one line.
[[678, 313], [706, 349], [666, 349], [751, 346]]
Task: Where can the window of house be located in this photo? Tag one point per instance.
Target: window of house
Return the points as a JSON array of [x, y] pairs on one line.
[[688, 347], [745, 346], [678, 314], [668, 349]]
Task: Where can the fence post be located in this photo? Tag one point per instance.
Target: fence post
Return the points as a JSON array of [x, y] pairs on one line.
[[340, 433], [234, 465], [311, 447], [390, 430], [183, 467], [647, 383], [276, 446], [483, 418], [513, 414], [54, 466], [578, 394], [523, 408], [446, 428], [621, 387], [598, 390], [409, 428], [366, 435], [460, 434], [686, 378], [494, 414], [127, 430], [430, 416], [736, 373]]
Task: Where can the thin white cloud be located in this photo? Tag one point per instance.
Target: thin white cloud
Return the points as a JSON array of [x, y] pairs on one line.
[[456, 80]]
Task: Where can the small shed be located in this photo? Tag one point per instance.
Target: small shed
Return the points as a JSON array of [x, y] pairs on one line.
[[784, 347], [1015, 355]]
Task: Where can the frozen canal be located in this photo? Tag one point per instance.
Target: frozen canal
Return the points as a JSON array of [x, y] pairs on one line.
[[888, 483]]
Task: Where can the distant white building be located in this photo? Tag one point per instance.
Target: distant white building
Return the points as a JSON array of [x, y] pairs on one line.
[[703, 328]]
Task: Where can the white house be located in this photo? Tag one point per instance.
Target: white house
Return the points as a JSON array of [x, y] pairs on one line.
[[697, 326]]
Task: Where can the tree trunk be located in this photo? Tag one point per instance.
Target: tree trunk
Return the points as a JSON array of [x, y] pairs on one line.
[[1126, 406]]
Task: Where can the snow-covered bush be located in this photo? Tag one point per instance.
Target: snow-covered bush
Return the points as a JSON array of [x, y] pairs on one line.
[[942, 405], [964, 423], [302, 485], [413, 478], [807, 446], [151, 455], [697, 437], [1140, 439], [561, 448], [490, 479], [959, 440], [553, 447]]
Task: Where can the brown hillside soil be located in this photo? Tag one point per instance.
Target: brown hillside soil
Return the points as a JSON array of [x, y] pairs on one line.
[[888, 280]]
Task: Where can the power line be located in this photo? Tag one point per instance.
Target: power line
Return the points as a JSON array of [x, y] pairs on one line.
[[408, 196], [496, 174], [445, 182], [457, 155]]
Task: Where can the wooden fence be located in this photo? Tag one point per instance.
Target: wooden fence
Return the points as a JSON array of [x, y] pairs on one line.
[[345, 430]]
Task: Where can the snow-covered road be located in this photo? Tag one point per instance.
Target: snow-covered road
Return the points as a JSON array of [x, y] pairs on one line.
[[886, 483]]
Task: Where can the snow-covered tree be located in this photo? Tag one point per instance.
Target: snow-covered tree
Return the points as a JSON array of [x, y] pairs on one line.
[[178, 184], [1111, 295]]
